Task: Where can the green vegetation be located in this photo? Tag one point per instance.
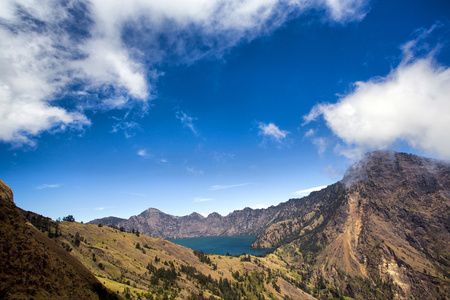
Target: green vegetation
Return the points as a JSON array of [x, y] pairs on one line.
[[69, 218], [140, 267]]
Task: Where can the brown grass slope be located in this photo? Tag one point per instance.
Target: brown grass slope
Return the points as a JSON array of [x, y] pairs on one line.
[[32, 266], [384, 234], [141, 267]]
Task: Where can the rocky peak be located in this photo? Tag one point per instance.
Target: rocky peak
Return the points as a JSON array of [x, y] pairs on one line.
[[389, 166], [214, 215], [195, 215]]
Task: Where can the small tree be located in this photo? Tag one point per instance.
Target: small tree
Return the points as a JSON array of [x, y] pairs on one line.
[[69, 218], [77, 239]]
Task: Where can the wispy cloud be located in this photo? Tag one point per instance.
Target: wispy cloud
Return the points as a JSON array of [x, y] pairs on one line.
[[128, 128], [306, 192], [53, 49], [222, 157], [223, 187], [143, 153], [408, 105], [194, 171], [199, 199], [48, 186], [320, 142], [137, 194], [186, 120], [162, 161], [272, 132]]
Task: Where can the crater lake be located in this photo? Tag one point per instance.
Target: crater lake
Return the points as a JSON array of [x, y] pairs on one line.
[[233, 245]]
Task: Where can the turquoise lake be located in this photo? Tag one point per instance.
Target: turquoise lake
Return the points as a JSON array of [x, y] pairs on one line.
[[234, 245]]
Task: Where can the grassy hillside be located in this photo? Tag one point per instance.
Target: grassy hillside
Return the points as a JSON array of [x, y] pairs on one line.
[[35, 267], [141, 267]]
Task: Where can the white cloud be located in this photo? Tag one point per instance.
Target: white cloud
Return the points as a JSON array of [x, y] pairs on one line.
[[143, 153], [319, 142], [128, 128], [332, 172], [306, 192], [199, 199], [48, 186], [411, 104], [347, 10], [223, 187], [272, 131], [105, 54], [194, 171], [186, 120]]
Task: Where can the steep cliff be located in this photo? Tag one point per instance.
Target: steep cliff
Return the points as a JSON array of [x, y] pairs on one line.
[[384, 232]]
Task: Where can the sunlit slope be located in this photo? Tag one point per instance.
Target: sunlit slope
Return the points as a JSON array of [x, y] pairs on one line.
[[136, 265], [384, 232], [32, 266]]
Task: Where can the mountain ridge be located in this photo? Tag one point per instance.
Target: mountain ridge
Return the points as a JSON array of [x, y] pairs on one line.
[[386, 233], [383, 231]]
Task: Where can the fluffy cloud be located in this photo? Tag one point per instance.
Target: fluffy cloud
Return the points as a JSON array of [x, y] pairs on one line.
[[272, 132], [411, 105], [61, 58]]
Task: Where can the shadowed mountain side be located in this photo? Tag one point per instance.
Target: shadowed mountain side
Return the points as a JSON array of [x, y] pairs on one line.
[[34, 266], [384, 233]]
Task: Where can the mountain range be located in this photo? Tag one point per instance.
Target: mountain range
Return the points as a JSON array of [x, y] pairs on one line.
[[386, 225], [382, 232]]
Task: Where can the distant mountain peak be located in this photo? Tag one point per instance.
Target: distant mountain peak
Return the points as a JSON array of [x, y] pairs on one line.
[[152, 210], [196, 215], [214, 215]]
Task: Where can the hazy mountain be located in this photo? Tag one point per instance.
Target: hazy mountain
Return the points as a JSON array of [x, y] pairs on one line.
[[156, 223], [33, 266]]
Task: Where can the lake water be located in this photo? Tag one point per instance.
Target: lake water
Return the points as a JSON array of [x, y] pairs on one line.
[[234, 245]]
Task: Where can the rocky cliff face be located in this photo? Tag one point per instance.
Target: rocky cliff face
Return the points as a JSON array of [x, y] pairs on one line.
[[384, 232]]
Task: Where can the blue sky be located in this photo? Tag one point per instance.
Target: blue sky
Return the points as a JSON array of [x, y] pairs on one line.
[[108, 108]]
